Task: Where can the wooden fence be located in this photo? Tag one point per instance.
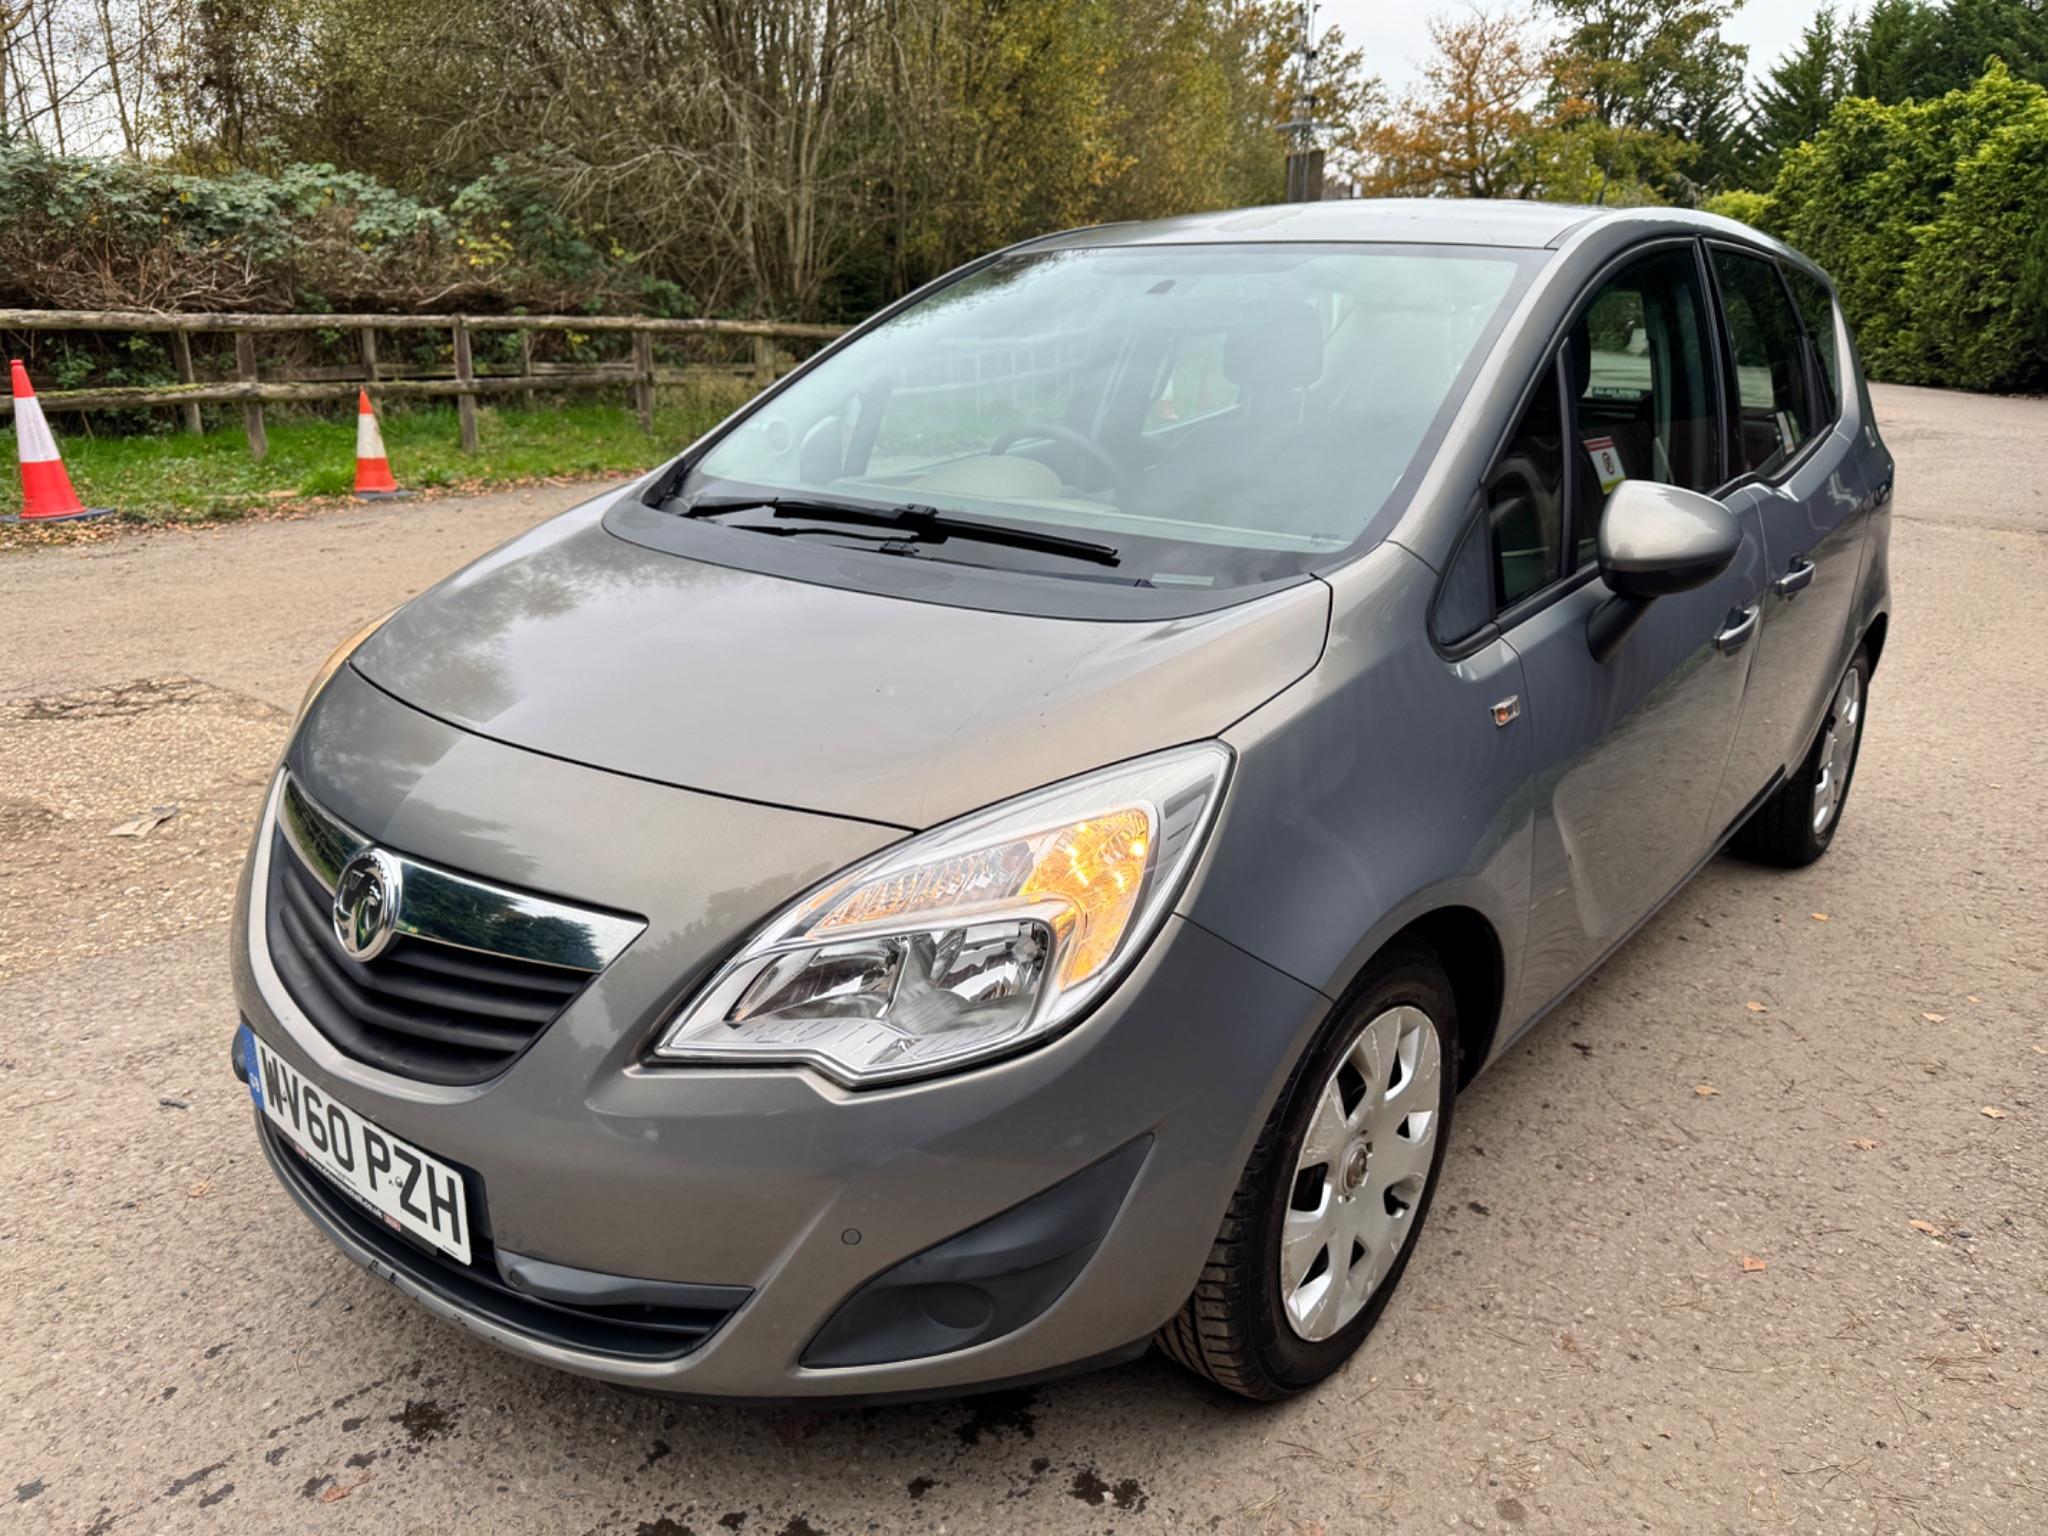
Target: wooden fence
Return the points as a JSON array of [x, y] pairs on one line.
[[465, 381]]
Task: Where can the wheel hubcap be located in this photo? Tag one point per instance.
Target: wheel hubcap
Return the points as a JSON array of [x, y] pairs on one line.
[[1354, 1166], [1838, 750], [1364, 1164]]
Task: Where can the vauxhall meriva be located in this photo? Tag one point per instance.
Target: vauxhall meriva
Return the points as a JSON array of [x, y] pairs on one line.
[[1006, 851]]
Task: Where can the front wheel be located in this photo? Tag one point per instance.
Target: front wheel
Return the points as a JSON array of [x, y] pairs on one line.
[[1795, 826], [1339, 1181]]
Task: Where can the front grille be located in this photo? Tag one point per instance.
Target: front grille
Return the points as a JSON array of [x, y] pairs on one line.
[[421, 1009], [629, 1332]]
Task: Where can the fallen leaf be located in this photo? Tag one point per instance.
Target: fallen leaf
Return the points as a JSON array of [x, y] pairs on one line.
[[2039, 1050], [1818, 917], [199, 1189], [1924, 1226], [1706, 1090], [147, 822], [1935, 1018], [1752, 1265], [1756, 1007], [342, 1490], [1863, 1144], [1973, 999], [1992, 1112]]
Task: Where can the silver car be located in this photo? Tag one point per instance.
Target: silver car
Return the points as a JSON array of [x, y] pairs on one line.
[[1004, 853]]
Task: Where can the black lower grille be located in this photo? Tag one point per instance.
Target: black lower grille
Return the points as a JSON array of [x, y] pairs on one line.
[[628, 1332], [424, 1010]]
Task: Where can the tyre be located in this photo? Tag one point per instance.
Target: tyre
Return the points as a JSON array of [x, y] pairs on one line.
[[1322, 1222], [1795, 826]]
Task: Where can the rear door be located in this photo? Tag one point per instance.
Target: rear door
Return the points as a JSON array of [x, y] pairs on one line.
[[1794, 449], [1629, 754]]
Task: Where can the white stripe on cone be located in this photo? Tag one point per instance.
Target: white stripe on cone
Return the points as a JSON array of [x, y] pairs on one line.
[[32, 431], [369, 441]]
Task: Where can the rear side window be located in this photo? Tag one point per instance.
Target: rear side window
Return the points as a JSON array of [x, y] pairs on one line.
[[1774, 413], [1643, 403], [1818, 311]]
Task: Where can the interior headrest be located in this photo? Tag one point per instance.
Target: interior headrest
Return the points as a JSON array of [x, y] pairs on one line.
[[1275, 345]]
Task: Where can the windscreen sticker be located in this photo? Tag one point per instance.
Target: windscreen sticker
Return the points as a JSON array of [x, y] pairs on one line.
[[1606, 462]]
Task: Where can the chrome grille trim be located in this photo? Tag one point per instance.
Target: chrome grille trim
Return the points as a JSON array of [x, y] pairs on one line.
[[442, 907]]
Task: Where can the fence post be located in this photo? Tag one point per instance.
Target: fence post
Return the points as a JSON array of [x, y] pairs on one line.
[[764, 361], [526, 366], [369, 355], [643, 379], [252, 411], [465, 373], [181, 359]]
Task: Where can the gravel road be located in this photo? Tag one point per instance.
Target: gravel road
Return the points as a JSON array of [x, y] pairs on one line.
[[1750, 1236]]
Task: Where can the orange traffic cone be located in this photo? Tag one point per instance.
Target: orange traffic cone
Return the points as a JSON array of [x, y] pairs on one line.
[[373, 469], [46, 494]]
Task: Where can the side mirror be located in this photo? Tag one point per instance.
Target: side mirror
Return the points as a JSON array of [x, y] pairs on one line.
[[1655, 540]]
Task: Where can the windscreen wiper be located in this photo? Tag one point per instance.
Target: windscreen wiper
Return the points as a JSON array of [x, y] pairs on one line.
[[925, 522]]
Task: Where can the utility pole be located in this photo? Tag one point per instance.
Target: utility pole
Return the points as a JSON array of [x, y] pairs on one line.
[[1304, 155]]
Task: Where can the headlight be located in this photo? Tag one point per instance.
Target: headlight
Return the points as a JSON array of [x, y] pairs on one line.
[[967, 941], [335, 663]]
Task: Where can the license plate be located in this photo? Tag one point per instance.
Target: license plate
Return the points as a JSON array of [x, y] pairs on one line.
[[409, 1189]]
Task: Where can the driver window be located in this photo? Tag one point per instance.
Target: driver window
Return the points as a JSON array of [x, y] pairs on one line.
[[1643, 406]]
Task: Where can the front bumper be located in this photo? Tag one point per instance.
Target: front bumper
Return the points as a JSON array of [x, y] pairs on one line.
[[772, 1184]]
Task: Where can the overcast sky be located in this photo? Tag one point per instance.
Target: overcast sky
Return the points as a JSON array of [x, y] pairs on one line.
[[1395, 33]]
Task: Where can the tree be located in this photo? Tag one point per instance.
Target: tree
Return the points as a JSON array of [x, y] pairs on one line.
[[12, 19], [1794, 102], [1467, 133], [1916, 50], [1893, 53], [1630, 82], [1978, 31]]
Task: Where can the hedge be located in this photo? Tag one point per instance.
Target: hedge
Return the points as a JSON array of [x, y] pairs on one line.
[[1932, 217]]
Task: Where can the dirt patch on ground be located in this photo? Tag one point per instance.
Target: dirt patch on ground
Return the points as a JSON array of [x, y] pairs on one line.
[[185, 758]]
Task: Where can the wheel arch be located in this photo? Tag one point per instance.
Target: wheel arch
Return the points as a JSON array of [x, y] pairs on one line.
[[1467, 944], [1873, 639]]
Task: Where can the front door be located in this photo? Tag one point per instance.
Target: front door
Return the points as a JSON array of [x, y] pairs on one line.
[[1630, 753], [1793, 436]]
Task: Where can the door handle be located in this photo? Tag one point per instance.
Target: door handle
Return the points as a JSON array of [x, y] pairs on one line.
[[1742, 624], [1798, 579]]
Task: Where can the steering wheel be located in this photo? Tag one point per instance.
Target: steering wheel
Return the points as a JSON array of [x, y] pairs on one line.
[[1080, 442]]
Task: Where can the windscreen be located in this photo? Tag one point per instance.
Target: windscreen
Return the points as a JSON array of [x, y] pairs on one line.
[[1219, 414]]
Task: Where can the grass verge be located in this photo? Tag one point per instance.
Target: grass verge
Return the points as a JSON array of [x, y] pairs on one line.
[[180, 478]]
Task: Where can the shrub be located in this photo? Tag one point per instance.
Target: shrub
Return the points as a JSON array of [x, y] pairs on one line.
[[1745, 207], [122, 234], [1974, 284], [1930, 217]]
